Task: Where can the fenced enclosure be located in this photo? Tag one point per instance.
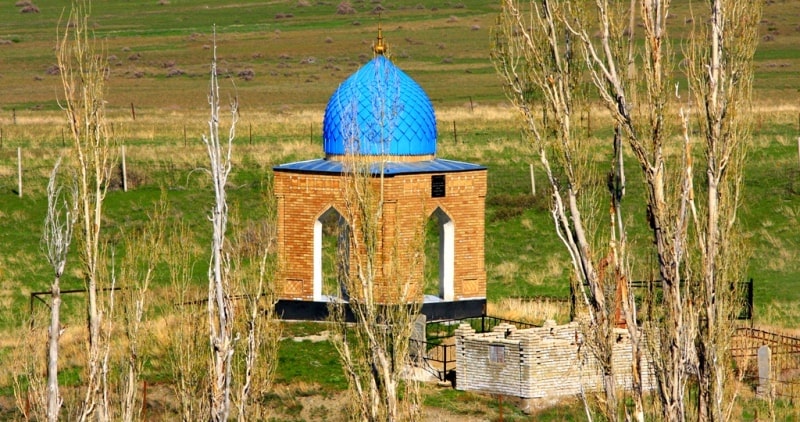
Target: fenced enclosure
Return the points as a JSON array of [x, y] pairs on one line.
[[439, 356], [783, 376]]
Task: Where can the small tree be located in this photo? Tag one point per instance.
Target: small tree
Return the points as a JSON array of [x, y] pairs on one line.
[[220, 311], [534, 54], [56, 238], [225, 275], [83, 75], [377, 272], [374, 349], [143, 251]]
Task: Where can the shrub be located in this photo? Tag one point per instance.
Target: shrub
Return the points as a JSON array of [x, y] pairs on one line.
[[345, 8], [247, 74]]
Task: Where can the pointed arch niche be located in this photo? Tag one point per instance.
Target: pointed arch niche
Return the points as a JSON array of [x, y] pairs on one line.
[[440, 237], [331, 256]]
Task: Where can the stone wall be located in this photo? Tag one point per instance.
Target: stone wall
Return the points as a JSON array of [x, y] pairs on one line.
[[541, 362]]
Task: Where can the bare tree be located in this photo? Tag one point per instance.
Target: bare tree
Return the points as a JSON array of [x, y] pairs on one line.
[[696, 273], [188, 353], [377, 286], [259, 325], [142, 253], [56, 238], [534, 54], [220, 311], [374, 349], [83, 74], [720, 70]]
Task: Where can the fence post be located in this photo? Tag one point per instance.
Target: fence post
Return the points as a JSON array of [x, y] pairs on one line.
[[533, 181], [144, 400], [455, 133], [19, 168], [588, 122], [444, 363], [124, 172]]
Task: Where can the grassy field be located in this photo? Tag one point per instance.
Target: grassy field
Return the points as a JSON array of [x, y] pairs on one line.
[[285, 59]]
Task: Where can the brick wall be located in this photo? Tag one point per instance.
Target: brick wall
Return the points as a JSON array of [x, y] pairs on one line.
[[538, 362], [304, 197]]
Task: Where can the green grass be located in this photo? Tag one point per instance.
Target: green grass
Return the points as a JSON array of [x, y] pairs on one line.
[[310, 363]]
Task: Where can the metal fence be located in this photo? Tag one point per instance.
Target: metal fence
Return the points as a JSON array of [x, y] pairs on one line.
[[439, 355], [784, 379]]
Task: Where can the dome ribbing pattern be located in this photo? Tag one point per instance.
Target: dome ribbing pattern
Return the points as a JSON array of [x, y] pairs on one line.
[[379, 110]]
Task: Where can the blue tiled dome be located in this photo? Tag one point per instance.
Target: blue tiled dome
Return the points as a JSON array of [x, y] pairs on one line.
[[393, 114]]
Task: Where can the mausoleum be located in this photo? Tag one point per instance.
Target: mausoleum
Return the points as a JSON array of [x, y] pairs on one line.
[[384, 117]]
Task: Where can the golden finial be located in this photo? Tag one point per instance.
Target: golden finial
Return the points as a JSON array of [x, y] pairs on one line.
[[380, 47]]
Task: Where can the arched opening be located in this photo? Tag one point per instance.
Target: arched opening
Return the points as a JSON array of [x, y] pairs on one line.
[[331, 256], [439, 256]]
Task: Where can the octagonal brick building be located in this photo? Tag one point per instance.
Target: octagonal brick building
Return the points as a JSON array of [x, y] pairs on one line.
[[384, 118]]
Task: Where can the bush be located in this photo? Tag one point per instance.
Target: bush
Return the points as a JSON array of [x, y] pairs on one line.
[[247, 74], [345, 8], [507, 206]]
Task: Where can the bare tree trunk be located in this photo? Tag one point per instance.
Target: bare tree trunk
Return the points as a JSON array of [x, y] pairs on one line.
[[374, 350], [56, 238], [720, 75], [536, 56], [220, 313], [83, 74], [377, 275]]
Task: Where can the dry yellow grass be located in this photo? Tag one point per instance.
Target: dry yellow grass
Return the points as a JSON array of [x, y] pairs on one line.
[[534, 311]]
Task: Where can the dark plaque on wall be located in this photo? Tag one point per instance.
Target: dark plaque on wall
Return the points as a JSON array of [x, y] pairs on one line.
[[437, 186]]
